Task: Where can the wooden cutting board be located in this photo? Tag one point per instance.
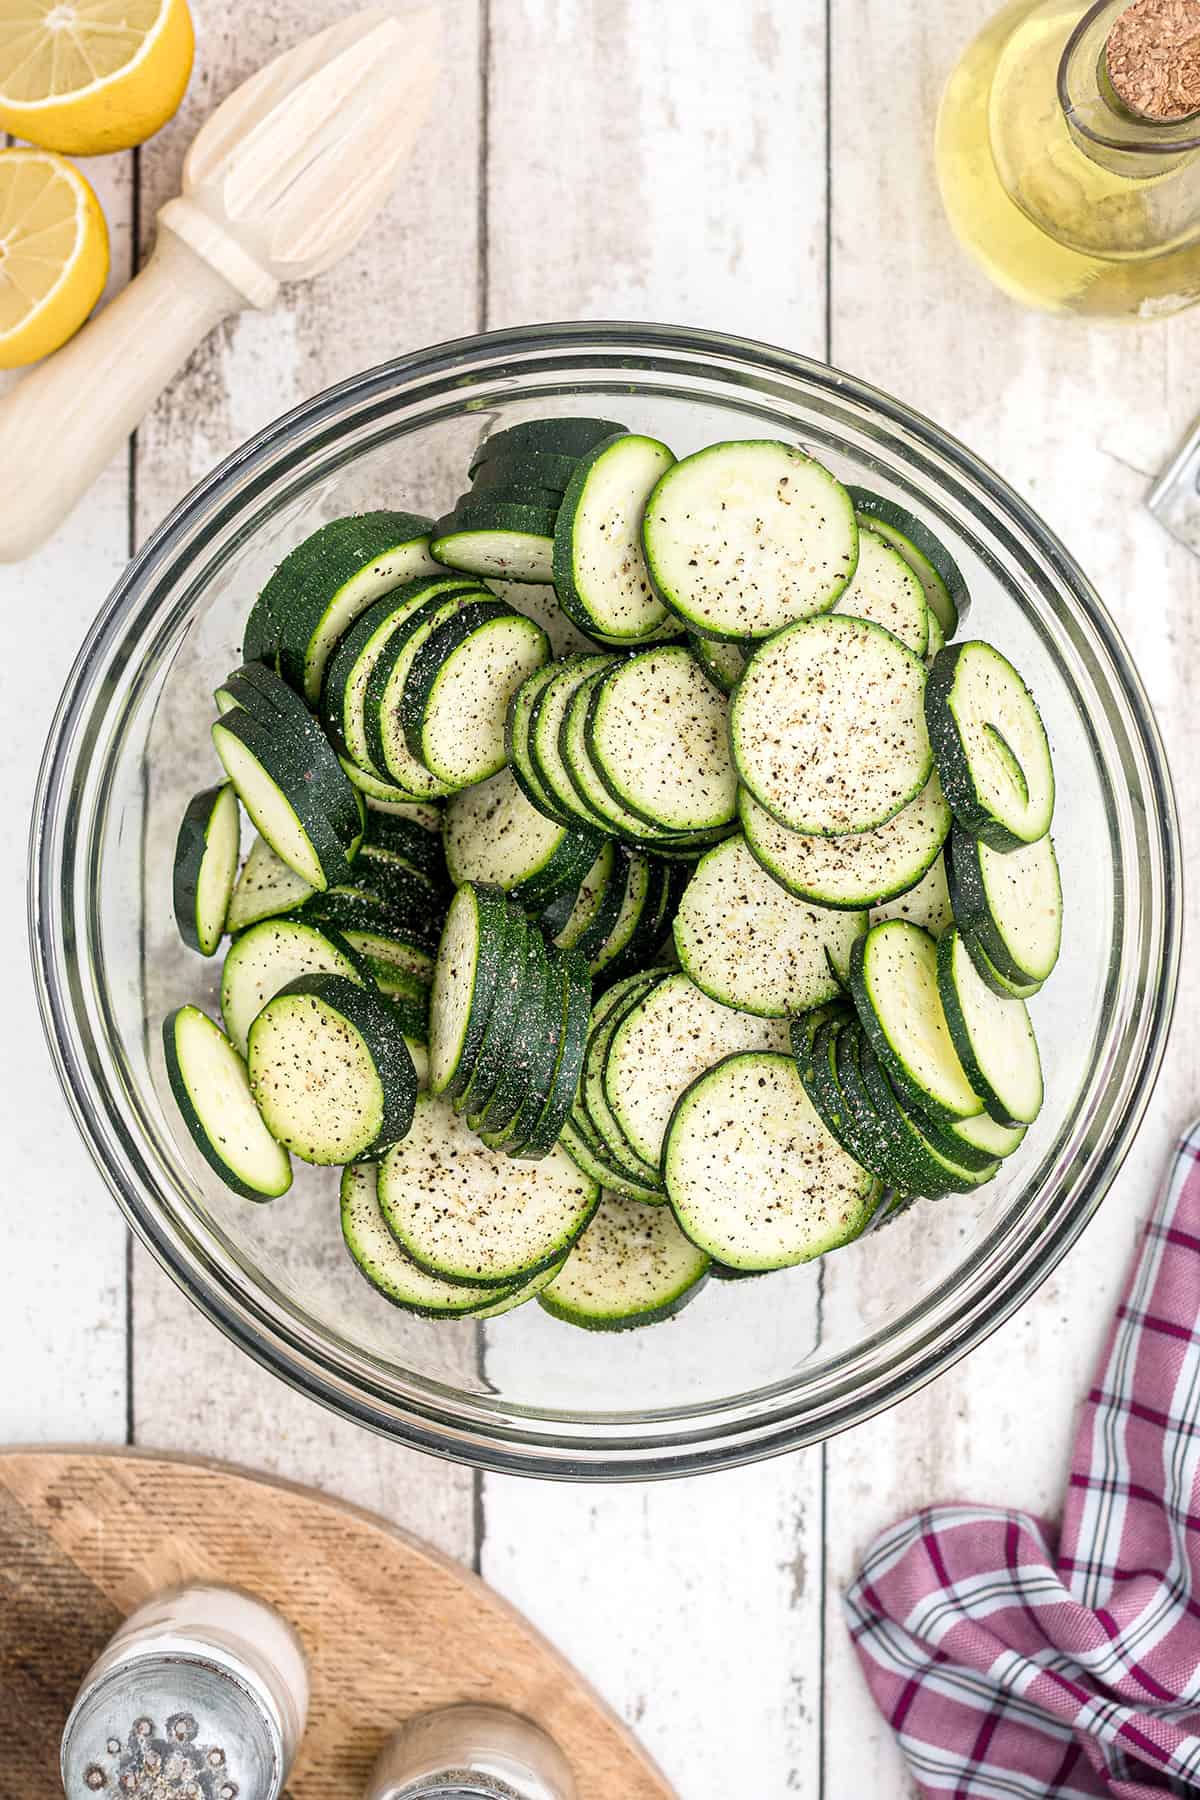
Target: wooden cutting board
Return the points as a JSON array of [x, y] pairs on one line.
[[391, 1626]]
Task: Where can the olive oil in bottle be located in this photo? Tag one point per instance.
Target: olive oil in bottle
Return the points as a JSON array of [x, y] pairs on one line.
[[1068, 155]]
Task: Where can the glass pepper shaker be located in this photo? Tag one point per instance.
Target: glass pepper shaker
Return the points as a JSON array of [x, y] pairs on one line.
[[471, 1752]]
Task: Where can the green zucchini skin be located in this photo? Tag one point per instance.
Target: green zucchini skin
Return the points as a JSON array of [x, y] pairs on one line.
[[589, 1153], [208, 1143], [569, 437], [432, 659], [378, 1025], [948, 596], [496, 1043], [952, 755], [616, 1294], [267, 699], [546, 1129], [388, 1269], [973, 910], [497, 1111], [487, 923], [539, 1067], [288, 768], [367, 553], [522, 468], [951, 947], [926, 1170], [394, 662], [199, 850]]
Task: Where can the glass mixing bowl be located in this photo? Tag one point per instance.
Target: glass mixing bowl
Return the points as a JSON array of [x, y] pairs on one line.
[[753, 1367]]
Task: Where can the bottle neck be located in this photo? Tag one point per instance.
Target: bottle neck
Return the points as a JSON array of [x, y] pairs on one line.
[[1103, 127]]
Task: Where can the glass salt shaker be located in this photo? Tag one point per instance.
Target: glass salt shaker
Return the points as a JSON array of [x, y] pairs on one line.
[[202, 1694], [471, 1752]]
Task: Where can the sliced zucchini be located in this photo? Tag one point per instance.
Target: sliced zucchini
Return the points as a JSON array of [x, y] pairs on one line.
[[983, 1133], [827, 726], [273, 775], [593, 794], [743, 538], [657, 733], [385, 797], [606, 1017], [635, 935], [600, 570], [267, 956], [544, 437], [539, 602], [926, 1166], [456, 694], [546, 718], [926, 905], [383, 728], [494, 836], [270, 702], [946, 592], [496, 1044], [350, 667], [386, 1266], [330, 1071], [993, 1036], [206, 859], [540, 1127], [632, 1266], [529, 1057], [723, 663], [894, 984], [857, 1132], [855, 869], [990, 745], [414, 915], [886, 591], [319, 590], [513, 542], [596, 904], [1011, 903], [583, 1144], [208, 1079], [265, 888], [466, 1214], [508, 1131], [413, 843], [937, 639], [752, 1173], [464, 984], [748, 944], [990, 974], [537, 468], [516, 742], [391, 948], [670, 1037]]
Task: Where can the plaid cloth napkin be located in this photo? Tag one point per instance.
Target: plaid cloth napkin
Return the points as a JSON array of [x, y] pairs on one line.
[[1012, 1667]]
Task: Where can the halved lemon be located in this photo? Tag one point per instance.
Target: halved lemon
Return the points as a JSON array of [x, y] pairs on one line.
[[90, 76], [53, 254]]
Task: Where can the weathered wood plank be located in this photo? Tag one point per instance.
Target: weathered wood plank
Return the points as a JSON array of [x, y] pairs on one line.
[[62, 1241], [411, 280], [628, 180], [1061, 410]]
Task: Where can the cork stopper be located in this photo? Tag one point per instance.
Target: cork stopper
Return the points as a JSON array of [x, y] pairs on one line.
[[1153, 57]]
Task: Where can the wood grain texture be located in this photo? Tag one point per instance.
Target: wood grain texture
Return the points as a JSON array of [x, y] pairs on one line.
[[1078, 417], [63, 1255], [391, 1629], [411, 280], [684, 196]]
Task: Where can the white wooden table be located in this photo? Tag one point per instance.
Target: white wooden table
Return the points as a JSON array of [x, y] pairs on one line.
[[766, 169]]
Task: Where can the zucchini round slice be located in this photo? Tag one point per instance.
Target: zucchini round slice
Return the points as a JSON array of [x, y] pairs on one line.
[[993, 1036], [524, 468], [583, 1144], [537, 1065], [274, 776], [593, 1101], [531, 1044], [477, 1086], [516, 742], [600, 570], [632, 1266], [206, 859], [208, 1079], [723, 663], [469, 1215], [546, 737], [749, 944], [990, 745], [385, 797], [265, 888], [514, 542], [917, 1150], [657, 733], [744, 538], [895, 987], [384, 1264], [596, 905], [456, 694], [827, 726], [270, 954], [990, 974], [464, 984], [926, 905], [886, 591], [383, 725], [594, 794], [983, 1133], [350, 667], [639, 927], [538, 1136], [494, 836], [659, 1048], [752, 1173], [319, 590], [946, 592], [1011, 903], [330, 1071], [856, 869], [544, 437]]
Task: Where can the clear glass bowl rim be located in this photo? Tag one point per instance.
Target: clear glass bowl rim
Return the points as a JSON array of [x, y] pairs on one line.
[[427, 1415]]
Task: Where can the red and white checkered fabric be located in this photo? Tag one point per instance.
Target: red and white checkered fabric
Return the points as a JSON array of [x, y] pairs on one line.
[[1014, 1668]]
